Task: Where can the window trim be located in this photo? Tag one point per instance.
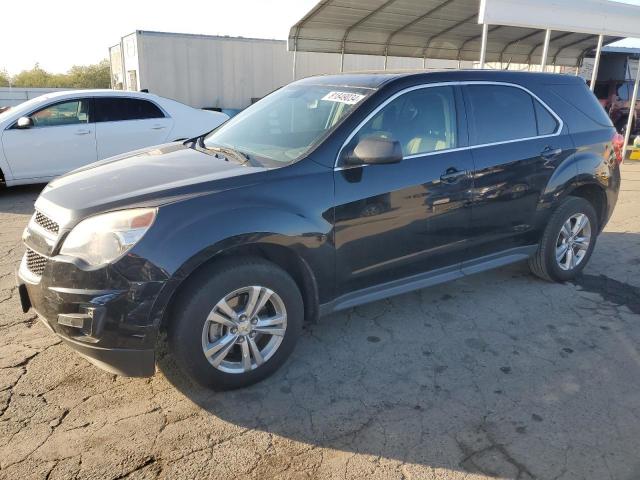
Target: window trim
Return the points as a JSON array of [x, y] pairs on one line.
[[558, 131]]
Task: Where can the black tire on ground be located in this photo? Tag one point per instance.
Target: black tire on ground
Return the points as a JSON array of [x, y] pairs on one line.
[[200, 296], [543, 263]]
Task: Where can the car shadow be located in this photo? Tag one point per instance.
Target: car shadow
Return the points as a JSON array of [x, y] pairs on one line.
[[19, 199], [498, 374]]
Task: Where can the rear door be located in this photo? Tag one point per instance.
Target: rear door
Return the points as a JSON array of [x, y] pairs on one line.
[[62, 138], [125, 124], [517, 144]]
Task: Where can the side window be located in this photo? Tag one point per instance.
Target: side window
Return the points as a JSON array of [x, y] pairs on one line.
[[65, 113], [120, 109], [547, 124], [422, 120], [500, 113]]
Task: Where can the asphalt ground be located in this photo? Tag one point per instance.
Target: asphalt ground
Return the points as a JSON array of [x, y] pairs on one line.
[[499, 375]]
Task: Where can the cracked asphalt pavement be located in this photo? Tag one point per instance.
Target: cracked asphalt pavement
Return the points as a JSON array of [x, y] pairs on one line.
[[499, 375]]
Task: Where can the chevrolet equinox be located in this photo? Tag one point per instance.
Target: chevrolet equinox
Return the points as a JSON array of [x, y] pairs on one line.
[[329, 193]]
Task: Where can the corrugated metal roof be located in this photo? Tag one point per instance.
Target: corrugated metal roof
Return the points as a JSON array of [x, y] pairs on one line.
[[438, 29]]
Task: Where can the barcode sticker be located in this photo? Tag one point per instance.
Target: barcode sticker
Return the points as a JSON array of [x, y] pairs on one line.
[[343, 97]]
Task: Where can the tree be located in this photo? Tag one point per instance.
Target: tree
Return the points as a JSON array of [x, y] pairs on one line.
[[90, 76], [79, 76], [36, 77], [4, 78]]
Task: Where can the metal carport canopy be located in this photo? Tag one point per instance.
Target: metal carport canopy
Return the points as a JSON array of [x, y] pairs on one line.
[[450, 29]]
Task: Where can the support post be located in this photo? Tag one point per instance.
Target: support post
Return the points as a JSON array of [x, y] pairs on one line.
[[386, 56], [483, 47], [545, 49], [295, 59], [424, 63], [596, 64], [632, 111], [110, 72], [342, 61], [123, 67]]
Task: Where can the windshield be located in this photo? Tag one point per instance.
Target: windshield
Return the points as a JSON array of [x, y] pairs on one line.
[[23, 107], [285, 125]]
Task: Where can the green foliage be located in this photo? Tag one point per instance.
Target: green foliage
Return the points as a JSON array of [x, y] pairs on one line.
[[79, 76], [4, 78], [90, 76]]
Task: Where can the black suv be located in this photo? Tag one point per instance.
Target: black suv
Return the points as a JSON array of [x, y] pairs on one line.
[[329, 193]]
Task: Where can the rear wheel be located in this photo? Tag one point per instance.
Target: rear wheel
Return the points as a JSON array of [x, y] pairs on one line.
[[237, 324], [568, 241]]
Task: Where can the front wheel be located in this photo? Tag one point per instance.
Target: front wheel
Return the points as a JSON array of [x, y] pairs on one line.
[[568, 241], [236, 323]]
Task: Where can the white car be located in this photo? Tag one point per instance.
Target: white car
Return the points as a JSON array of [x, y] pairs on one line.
[[59, 132]]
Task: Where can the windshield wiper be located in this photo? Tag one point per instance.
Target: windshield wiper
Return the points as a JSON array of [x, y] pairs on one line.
[[227, 152]]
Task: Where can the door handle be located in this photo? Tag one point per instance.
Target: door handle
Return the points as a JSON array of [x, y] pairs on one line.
[[157, 127], [452, 175], [549, 153], [83, 132]]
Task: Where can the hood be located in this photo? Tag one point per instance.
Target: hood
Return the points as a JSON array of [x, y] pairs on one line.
[[151, 176]]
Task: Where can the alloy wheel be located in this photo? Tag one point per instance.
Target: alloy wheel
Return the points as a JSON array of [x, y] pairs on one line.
[[573, 241], [244, 329]]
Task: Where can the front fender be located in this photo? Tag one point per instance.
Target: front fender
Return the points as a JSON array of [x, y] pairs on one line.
[[192, 233], [4, 163]]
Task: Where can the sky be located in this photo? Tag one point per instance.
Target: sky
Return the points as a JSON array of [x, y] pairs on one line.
[[61, 33]]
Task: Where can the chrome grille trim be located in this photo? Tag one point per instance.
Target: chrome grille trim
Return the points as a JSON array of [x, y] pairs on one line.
[[46, 223], [35, 262]]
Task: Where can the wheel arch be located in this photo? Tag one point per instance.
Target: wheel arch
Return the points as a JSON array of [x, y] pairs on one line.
[[596, 195], [282, 256], [583, 174]]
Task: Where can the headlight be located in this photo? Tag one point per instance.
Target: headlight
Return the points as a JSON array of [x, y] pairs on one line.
[[103, 238]]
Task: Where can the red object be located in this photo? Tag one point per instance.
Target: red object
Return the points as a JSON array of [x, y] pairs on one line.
[[618, 144]]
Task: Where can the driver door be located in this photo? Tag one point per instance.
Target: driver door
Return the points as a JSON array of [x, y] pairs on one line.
[[62, 138], [396, 220]]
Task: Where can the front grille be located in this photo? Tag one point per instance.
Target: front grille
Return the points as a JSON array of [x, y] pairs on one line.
[[46, 223], [35, 262]]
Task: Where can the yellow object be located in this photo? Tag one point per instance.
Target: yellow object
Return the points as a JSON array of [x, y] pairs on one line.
[[635, 154]]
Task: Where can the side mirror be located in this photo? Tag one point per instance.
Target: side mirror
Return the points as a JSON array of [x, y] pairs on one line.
[[24, 122], [375, 151]]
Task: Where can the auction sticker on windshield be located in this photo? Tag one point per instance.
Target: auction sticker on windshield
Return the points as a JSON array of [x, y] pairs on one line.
[[343, 97]]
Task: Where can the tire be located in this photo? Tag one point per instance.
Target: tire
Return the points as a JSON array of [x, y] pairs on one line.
[[235, 279], [544, 263]]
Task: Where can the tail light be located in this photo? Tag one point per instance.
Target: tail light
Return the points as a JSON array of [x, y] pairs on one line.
[[618, 146]]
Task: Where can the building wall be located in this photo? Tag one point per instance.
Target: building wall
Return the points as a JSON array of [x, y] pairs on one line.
[[10, 97], [228, 72], [205, 72]]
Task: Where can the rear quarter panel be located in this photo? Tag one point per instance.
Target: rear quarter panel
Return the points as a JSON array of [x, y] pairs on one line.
[[190, 122], [592, 161]]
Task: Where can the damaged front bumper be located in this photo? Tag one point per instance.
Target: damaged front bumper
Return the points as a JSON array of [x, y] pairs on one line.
[[99, 313]]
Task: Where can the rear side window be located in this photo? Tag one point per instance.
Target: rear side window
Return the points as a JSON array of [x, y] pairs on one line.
[[547, 124], [119, 109], [500, 113], [581, 98]]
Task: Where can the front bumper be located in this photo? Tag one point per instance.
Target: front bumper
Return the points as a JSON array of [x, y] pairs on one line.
[[99, 313]]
